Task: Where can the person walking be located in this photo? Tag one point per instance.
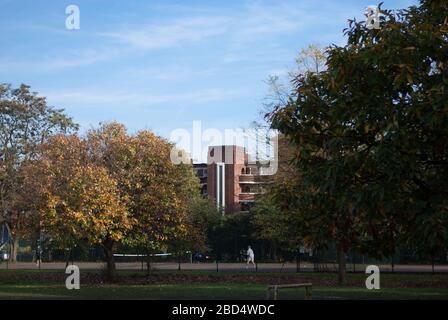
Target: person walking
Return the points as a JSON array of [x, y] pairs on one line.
[[250, 257], [38, 257]]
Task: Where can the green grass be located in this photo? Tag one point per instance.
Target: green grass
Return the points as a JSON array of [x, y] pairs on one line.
[[205, 291], [14, 284]]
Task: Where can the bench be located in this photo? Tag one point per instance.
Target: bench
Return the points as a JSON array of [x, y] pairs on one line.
[[275, 288]]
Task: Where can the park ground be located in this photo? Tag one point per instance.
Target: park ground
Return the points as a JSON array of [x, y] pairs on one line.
[[21, 283]]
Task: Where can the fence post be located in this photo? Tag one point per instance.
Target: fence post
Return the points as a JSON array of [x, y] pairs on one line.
[[307, 293], [141, 255], [268, 293]]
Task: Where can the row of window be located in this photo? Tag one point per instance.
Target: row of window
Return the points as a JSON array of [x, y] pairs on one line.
[[247, 170]]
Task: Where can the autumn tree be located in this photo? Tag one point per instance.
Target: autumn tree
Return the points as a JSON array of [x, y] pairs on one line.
[[108, 188], [26, 121], [158, 191], [74, 198]]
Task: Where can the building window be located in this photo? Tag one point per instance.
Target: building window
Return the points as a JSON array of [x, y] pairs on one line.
[[220, 185]]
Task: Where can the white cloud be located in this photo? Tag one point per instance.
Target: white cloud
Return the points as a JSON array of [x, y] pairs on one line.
[[258, 31], [262, 20], [183, 72], [251, 32], [252, 23], [57, 62], [172, 34], [89, 98], [239, 32], [84, 57]]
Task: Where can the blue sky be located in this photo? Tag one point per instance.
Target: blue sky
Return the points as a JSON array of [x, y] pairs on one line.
[[160, 65]]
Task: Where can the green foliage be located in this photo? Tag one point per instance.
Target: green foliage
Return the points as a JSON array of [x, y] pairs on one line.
[[275, 225], [202, 217], [26, 121], [229, 234], [371, 136]]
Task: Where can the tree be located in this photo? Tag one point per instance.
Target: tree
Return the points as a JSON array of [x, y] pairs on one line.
[[110, 188], [158, 191], [75, 199], [26, 121], [398, 121], [200, 218], [269, 224], [230, 233], [370, 133], [312, 59]]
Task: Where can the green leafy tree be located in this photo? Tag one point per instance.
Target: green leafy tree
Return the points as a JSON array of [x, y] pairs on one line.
[[201, 217], [274, 226], [26, 121], [370, 135]]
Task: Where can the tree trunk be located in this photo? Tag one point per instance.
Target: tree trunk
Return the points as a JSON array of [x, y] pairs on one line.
[[110, 259], [14, 249], [354, 262], [432, 264], [148, 263], [148, 267], [274, 249], [342, 267], [68, 253], [297, 261]]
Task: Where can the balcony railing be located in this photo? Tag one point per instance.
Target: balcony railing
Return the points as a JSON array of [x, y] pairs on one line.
[[247, 196], [247, 178], [254, 179]]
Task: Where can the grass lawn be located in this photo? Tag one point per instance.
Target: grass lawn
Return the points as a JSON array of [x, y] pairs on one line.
[[205, 291], [20, 285]]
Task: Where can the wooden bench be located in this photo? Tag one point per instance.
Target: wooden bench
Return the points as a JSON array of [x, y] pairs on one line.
[[275, 288]]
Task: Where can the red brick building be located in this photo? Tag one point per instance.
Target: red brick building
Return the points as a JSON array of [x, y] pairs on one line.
[[201, 171], [233, 181]]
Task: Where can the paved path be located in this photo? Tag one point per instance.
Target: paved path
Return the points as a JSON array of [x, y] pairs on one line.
[[262, 267]]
